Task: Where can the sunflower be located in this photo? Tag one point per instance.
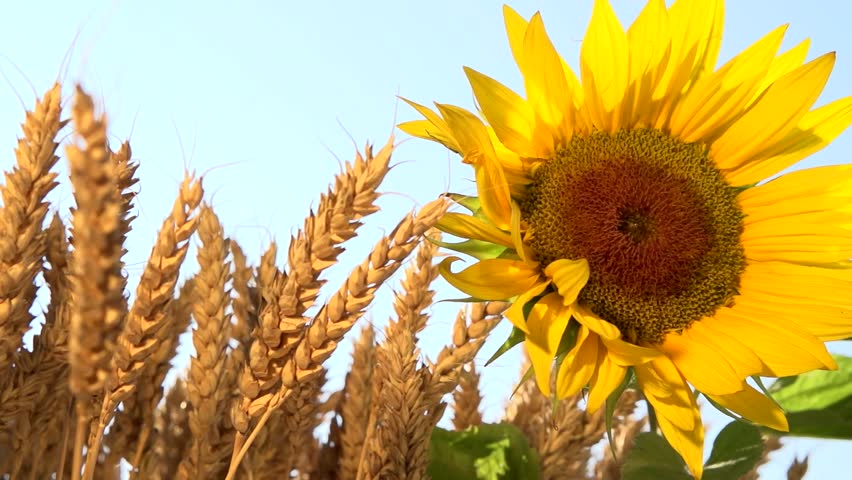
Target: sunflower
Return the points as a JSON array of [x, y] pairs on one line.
[[631, 211]]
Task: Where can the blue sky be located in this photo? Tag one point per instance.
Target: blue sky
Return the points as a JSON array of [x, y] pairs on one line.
[[267, 96]]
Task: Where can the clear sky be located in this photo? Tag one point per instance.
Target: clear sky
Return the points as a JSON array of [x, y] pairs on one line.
[[267, 95]]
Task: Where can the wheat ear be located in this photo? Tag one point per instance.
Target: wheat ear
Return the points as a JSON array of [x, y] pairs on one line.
[[22, 241], [466, 400], [98, 303], [355, 405], [211, 298], [343, 309]]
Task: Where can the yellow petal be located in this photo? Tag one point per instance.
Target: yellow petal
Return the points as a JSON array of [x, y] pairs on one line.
[[508, 114], [604, 67], [579, 364], [439, 131], [521, 248], [515, 313], [569, 276], [603, 328], [754, 406], [825, 322], [547, 89], [620, 352], [696, 30], [703, 366], [468, 226], [784, 349], [677, 413], [689, 443], [628, 354], [547, 321], [661, 380], [716, 99], [492, 279], [817, 129], [783, 64], [428, 131], [607, 377], [477, 149], [649, 42], [741, 358], [777, 112], [829, 187], [516, 28]]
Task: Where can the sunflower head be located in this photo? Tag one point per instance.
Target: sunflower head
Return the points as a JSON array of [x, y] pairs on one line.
[[628, 210]]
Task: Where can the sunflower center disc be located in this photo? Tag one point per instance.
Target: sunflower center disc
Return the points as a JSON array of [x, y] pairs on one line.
[[656, 220]]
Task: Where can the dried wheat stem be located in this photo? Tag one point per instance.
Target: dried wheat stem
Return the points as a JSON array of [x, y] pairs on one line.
[[22, 241], [210, 338]]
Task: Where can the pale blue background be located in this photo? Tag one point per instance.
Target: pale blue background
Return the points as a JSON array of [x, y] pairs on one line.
[[265, 95]]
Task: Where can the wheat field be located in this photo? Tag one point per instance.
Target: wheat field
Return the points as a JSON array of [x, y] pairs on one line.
[[86, 398]]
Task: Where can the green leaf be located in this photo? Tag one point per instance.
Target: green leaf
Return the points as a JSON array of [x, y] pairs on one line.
[[517, 336], [486, 452], [653, 458], [833, 422], [735, 452]]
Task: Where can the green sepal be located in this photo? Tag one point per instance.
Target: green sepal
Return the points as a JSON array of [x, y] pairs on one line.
[[477, 249], [524, 379], [515, 337], [567, 342], [611, 402], [471, 203]]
